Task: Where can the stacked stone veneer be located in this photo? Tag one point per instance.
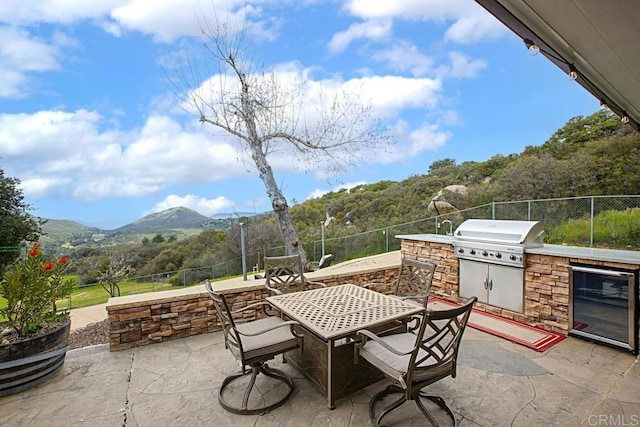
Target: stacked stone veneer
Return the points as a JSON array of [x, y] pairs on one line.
[[162, 318], [445, 276], [546, 287]]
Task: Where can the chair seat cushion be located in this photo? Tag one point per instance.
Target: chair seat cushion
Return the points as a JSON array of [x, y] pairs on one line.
[[395, 366], [269, 343]]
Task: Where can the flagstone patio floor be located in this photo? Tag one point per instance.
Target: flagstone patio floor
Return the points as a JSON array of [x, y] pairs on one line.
[[175, 383]]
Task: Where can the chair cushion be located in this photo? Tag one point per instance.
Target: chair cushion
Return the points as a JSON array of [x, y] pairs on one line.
[[394, 366], [269, 343]]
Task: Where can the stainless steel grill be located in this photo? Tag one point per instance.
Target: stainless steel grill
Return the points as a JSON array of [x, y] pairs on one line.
[[492, 259], [497, 241]]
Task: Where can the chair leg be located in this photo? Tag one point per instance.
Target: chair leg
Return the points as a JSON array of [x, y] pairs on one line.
[[438, 401], [255, 371], [392, 388]]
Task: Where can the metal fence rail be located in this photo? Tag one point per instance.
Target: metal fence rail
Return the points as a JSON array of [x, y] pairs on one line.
[[551, 212]]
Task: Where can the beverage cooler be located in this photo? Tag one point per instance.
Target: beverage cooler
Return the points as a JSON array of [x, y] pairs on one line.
[[604, 305]]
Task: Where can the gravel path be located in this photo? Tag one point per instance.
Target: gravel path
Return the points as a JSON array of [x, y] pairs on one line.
[[92, 334]]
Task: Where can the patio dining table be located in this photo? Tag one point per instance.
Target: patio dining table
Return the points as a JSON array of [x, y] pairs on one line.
[[329, 318]]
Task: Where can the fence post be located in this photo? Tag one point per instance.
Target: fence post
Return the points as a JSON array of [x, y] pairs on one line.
[[386, 233], [592, 215], [244, 255], [493, 210], [322, 226]]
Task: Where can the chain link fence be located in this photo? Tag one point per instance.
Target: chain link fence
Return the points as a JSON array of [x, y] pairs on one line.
[[588, 215]]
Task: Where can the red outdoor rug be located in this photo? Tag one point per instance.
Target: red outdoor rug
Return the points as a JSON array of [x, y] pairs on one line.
[[512, 330]]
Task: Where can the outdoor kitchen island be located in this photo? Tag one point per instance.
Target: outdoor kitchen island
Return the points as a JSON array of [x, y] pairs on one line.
[[548, 295]]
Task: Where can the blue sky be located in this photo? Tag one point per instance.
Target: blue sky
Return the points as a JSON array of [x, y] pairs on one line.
[[90, 125]]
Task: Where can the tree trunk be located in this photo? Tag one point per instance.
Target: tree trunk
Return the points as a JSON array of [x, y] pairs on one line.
[[292, 243]]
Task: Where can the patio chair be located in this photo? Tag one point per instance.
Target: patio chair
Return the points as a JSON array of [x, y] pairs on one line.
[[413, 361], [284, 274], [413, 281], [253, 344]]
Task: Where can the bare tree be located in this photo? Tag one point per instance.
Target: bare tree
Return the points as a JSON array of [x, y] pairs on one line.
[[115, 269], [270, 112]]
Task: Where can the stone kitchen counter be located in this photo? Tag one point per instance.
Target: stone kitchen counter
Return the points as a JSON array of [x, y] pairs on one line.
[[595, 254], [435, 238]]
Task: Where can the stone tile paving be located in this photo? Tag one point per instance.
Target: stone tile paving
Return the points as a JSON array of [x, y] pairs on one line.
[[175, 384]]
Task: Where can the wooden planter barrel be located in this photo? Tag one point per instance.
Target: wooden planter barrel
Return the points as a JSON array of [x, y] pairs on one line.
[[27, 363]]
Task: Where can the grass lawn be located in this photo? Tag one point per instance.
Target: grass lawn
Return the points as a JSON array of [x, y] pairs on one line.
[[95, 294]]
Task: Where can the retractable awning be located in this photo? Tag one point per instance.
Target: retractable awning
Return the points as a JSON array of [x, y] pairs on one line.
[[600, 39]]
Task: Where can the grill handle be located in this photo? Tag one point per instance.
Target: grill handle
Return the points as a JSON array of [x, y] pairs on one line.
[[486, 283], [490, 284]]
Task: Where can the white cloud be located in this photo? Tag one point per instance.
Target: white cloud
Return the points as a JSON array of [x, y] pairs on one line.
[[20, 55], [38, 187], [47, 134], [207, 207], [475, 27], [387, 96], [167, 20], [55, 151], [408, 9], [404, 56], [371, 30], [29, 12], [470, 22], [461, 67], [428, 137]]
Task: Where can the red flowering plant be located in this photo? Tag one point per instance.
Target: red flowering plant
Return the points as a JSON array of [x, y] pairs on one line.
[[31, 289]]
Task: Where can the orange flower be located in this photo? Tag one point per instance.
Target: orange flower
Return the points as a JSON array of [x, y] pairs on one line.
[[48, 265], [35, 250]]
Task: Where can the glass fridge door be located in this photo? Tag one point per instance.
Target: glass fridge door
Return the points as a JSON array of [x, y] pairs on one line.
[[603, 306]]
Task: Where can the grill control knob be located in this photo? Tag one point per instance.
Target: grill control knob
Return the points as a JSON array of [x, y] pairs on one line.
[[498, 255], [472, 252], [512, 257], [460, 250], [485, 253]]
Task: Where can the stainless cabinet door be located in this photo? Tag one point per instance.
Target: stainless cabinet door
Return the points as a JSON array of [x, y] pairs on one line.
[[506, 287], [473, 279]]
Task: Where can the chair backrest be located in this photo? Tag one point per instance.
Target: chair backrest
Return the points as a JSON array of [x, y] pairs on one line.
[[284, 274], [437, 343], [325, 261], [414, 278], [231, 337]]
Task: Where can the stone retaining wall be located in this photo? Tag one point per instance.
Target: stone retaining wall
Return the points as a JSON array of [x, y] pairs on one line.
[[160, 318]]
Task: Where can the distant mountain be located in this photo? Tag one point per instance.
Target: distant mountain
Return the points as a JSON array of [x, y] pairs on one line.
[[178, 222], [170, 219], [62, 230]]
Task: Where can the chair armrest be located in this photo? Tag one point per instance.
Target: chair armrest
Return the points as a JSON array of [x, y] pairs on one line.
[[274, 290], [422, 299], [368, 285], [289, 323], [319, 284], [266, 307], [251, 306], [370, 335]]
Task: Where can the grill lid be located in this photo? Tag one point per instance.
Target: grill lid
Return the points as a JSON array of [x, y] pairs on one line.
[[516, 233]]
